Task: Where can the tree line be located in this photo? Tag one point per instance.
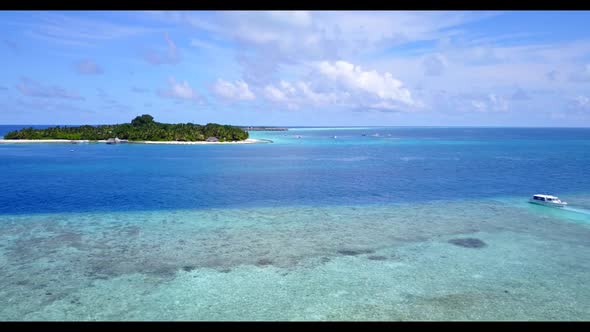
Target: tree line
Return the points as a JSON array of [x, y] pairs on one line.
[[142, 128]]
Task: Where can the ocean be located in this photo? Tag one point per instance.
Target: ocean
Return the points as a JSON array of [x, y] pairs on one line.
[[353, 224]]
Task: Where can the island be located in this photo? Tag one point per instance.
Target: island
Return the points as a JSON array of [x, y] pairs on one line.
[[142, 129]]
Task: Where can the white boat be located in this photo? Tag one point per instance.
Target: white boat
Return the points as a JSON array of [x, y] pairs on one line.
[[547, 200], [116, 140]]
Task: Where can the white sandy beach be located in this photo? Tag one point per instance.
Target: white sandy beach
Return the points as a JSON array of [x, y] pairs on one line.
[[10, 141], [247, 141]]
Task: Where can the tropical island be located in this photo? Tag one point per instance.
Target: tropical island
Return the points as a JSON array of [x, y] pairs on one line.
[[142, 129]]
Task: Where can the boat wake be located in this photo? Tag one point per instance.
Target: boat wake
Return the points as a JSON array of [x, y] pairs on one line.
[[572, 209]]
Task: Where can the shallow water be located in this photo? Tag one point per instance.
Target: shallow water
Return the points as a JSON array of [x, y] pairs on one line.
[[326, 239], [300, 263]]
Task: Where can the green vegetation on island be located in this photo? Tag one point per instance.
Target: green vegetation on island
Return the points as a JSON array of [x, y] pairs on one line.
[[142, 128]]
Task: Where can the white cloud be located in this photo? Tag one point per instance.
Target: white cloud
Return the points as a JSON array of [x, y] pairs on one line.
[[79, 31], [478, 105], [381, 86], [344, 85], [183, 90], [205, 45], [285, 94], [294, 18], [497, 103], [581, 102], [532, 67], [268, 40], [294, 58], [274, 94], [291, 27], [170, 56], [233, 91], [179, 90], [279, 95], [313, 35], [319, 98], [469, 102]]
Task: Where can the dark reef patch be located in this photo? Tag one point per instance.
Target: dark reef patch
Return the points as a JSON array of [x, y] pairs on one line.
[[395, 257], [468, 243], [188, 268], [350, 252], [22, 282], [263, 262], [163, 271], [377, 258]]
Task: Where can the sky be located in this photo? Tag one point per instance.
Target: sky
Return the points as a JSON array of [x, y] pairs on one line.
[[297, 68]]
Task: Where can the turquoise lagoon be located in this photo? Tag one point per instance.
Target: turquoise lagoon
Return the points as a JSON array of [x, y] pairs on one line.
[[408, 224]]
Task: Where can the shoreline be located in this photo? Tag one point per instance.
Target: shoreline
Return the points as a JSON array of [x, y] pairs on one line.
[[26, 141]]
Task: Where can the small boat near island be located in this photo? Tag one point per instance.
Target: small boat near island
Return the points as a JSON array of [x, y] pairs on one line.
[[116, 140], [547, 200]]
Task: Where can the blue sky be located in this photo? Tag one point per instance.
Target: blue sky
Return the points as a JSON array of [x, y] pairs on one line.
[[396, 68]]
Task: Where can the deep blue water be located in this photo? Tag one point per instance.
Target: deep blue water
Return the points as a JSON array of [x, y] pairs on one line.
[[399, 165]]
